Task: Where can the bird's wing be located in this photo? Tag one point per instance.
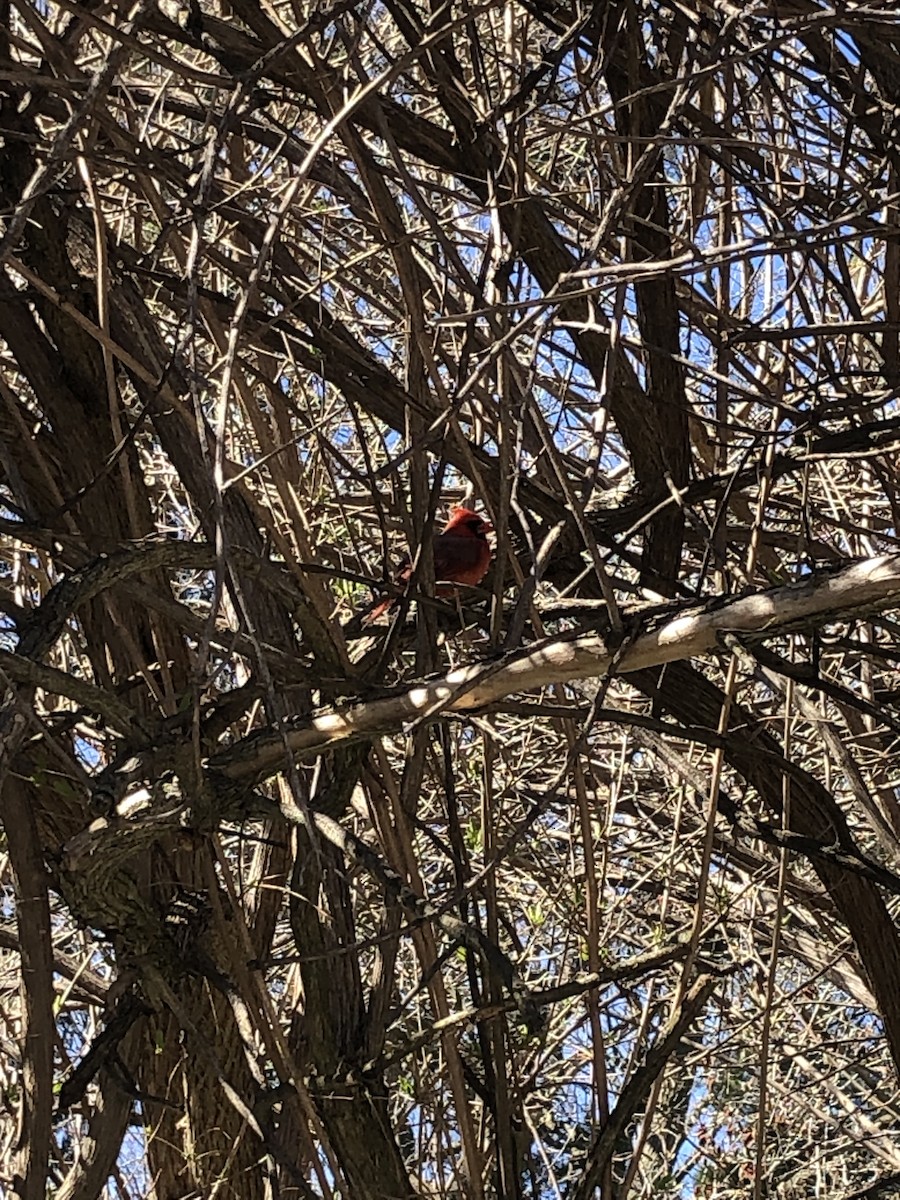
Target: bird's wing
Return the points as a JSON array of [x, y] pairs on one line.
[[460, 559]]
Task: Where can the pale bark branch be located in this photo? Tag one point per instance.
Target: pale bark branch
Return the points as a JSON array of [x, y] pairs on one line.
[[865, 586]]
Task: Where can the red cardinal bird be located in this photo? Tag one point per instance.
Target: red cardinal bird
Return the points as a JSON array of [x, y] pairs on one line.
[[461, 555]]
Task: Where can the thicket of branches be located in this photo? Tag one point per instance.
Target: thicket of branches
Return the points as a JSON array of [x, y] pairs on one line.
[[578, 884]]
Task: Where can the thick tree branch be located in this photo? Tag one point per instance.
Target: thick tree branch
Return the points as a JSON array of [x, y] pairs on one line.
[[863, 587]]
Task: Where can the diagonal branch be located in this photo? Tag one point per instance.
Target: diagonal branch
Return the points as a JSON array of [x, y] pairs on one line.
[[638, 1087], [865, 586]]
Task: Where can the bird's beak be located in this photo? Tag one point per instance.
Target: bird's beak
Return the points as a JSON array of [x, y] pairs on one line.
[[487, 527]]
